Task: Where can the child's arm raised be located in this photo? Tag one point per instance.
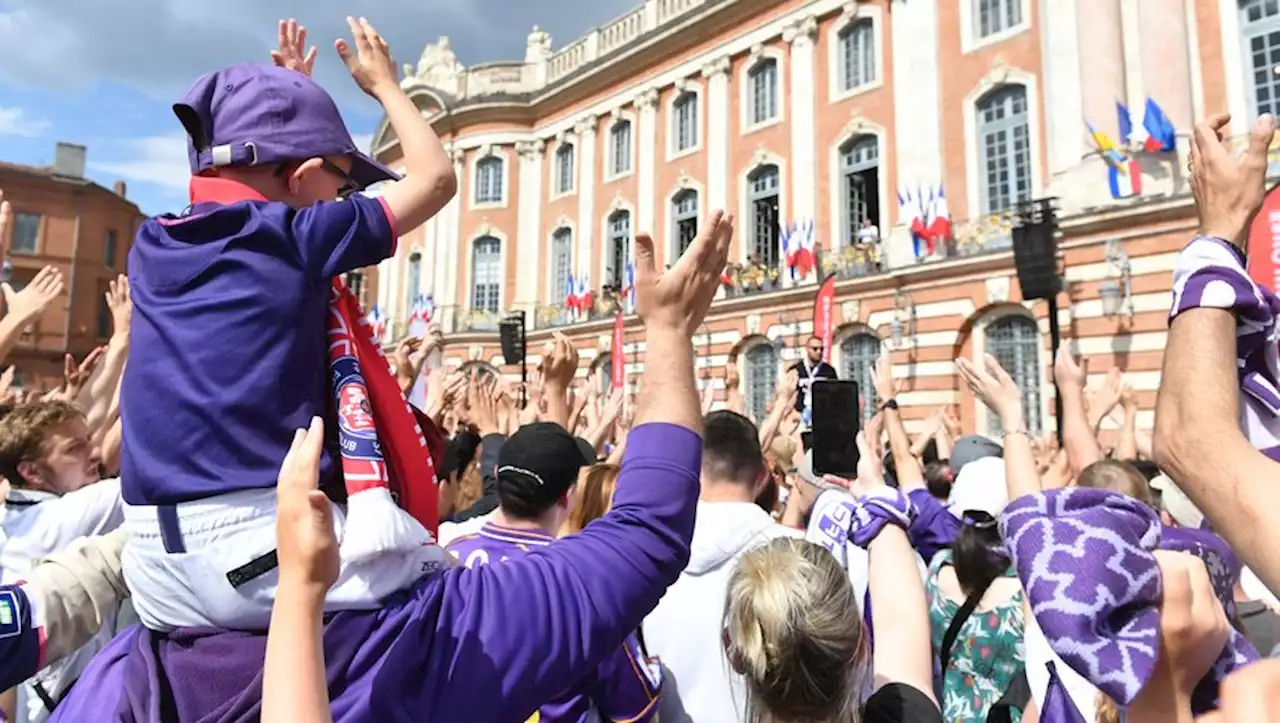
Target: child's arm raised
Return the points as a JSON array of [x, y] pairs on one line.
[[429, 181]]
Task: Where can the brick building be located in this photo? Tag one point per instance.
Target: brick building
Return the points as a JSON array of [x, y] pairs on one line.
[[64, 219], [820, 114]]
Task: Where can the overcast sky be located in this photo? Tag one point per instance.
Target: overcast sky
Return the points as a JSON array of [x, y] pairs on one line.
[[105, 72]]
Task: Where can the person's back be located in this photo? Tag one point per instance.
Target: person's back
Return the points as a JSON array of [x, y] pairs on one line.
[[537, 471], [986, 653], [684, 630], [247, 338]]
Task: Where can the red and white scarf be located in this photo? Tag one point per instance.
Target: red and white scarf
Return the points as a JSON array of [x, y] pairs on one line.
[[386, 449]]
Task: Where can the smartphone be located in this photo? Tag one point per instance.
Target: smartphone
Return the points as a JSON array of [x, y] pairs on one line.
[[836, 421]]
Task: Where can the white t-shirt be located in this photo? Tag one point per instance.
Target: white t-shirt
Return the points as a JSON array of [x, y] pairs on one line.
[[37, 525]]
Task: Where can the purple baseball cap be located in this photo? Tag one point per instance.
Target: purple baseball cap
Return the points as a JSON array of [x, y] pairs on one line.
[[249, 115]]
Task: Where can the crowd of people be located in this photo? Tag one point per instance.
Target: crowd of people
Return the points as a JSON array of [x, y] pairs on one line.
[[262, 528]]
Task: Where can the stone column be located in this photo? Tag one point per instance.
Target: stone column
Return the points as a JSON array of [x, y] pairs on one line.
[[449, 238], [717, 75], [917, 132], [803, 102], [529, 226], [647, 177], [1064, 106], [586, 132]]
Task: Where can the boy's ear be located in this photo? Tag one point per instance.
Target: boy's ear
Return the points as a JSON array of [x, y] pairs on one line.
[[295, 175]]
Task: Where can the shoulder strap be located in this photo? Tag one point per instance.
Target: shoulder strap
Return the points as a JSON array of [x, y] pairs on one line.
[[1015, 697], [957, 622]]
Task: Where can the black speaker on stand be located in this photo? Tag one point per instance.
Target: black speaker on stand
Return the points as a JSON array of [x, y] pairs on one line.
[[511, 334], [1035, 253]]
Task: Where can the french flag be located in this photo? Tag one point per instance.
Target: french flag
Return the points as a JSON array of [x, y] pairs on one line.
[[377, 323], [570, 295], [1125, 179], [940, 226], [629, 290], [583, 296]]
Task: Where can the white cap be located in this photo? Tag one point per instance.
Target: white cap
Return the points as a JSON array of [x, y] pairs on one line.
[[1176, 503], [980, 487]]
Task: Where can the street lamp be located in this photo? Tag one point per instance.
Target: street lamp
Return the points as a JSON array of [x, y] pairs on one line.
[[904, 319], [1116, 292]]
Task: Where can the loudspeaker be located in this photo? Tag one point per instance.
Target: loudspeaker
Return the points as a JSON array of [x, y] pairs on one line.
[[511, 336], [1035, 249]]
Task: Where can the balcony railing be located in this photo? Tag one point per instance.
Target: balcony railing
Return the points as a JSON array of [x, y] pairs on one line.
[[478, 320]]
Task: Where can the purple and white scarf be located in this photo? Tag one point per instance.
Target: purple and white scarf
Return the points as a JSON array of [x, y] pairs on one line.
[[1210, 273], [1084, 557]]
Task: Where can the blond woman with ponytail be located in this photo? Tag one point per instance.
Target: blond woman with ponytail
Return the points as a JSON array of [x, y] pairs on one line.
[[793, 628]]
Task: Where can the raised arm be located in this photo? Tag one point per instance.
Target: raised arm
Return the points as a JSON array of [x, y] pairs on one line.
[[1197, 439], [429, 181], [579, 598]]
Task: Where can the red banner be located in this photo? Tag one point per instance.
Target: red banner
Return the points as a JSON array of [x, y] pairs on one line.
[[619, 371], [824, 315], [1264, 243]]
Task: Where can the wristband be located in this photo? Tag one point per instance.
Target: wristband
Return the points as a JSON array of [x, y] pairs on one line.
[[889, 404]]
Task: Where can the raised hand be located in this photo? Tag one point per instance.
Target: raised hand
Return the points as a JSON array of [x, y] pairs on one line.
[[1070, 374], [678, 299], [882, 377], [370, 61], [290, 54], [74, 376], [402, 358], [995, 388], [305, 540], [1228, 191], [36, 297], [120, 303], [561, 363]]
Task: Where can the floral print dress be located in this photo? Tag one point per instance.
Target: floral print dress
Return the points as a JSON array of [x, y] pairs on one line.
[[987, 655]]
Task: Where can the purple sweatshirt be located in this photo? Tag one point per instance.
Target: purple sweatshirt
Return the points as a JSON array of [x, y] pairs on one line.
[[624, 687], [488, 644], [21, 642]]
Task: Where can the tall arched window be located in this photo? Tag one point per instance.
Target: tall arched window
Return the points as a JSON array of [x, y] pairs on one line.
[[619, 248], [760, 379], [762, 190], [1004, 143], [763, 88], [413, 280], [486, 274], [684, 213], [860, 184], [561, 264], [489, 180], [1260, 27], [857, 54], [684, 121], [564, 168], [620, 148], [1015, 342], [858, 355]]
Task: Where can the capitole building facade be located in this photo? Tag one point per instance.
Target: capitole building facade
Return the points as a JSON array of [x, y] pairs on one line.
[[816, 117]]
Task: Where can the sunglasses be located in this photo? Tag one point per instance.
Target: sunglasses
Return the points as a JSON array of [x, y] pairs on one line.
[[815, 348]]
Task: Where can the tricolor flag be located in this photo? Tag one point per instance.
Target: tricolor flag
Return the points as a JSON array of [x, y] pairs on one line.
[[424, 307], [912, 214], [1125, 182], [1124, 123], [570, 294], [629, 289], [1161, 136], [377, 322], [583, 297], [940, 225]]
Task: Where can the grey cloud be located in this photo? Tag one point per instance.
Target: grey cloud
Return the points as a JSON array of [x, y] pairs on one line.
[[160, 46]]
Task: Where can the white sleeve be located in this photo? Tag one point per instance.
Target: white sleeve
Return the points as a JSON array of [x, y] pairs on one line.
[[89, 511]]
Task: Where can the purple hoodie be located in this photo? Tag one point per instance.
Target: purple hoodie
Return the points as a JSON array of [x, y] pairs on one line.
[[489, 644]]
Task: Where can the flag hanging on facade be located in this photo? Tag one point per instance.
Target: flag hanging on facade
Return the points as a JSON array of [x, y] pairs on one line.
[[629, 291], [940, 226], [377, 322], [1161, 135], [570, 294], [1124, 123], [1125, 182], [1107, 148]]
